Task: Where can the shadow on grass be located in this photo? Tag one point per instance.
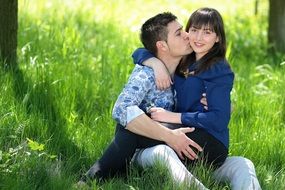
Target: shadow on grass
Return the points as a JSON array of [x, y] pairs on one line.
[[38, 101]]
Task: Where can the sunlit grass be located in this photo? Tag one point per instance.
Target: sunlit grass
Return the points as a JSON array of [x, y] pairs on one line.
[[74, 59]]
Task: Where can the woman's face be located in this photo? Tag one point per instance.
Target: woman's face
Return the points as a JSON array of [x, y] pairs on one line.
[[202, 40]]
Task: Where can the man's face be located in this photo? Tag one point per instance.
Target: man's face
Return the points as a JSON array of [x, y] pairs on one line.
[[177, 40], [202, 40]]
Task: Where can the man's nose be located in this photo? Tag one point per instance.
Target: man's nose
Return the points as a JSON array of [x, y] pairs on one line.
[[186, 35]]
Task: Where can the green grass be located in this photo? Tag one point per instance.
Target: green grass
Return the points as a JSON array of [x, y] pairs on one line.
[[74, 58]]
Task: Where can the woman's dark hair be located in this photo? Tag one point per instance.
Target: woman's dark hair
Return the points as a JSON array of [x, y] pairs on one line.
[[211, 18]]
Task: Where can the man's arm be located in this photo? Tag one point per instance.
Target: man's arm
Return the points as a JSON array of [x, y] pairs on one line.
[[160, 114], [176, 139], [126, 111]]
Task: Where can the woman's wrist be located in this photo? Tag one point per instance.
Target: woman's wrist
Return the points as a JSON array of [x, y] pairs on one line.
[[151, 62]]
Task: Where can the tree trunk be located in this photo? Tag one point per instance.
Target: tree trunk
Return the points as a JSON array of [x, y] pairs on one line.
[[8, 32], [276, 30], [256, 7]]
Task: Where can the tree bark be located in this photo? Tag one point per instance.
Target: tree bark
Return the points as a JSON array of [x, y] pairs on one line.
[[256, 7], [276, 30], [8, 32]]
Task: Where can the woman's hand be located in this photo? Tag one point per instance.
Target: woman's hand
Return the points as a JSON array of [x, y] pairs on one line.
[[162, 115], [162, 76]]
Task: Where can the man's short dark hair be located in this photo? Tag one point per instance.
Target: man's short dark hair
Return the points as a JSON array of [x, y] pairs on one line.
[[155, 29]]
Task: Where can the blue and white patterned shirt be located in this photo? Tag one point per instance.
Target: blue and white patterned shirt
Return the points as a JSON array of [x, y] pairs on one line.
[[139, 94]]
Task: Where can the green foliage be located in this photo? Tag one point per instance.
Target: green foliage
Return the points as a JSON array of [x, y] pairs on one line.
[[74, 58]]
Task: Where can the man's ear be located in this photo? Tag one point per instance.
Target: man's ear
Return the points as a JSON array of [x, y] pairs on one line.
[[161, 45]]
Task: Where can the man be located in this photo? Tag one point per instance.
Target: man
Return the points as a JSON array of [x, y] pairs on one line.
[[164, 37]]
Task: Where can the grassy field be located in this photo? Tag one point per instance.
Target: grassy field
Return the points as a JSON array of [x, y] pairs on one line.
[[74, 58]]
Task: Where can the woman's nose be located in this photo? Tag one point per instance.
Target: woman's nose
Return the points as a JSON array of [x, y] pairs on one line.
[[198, 35]]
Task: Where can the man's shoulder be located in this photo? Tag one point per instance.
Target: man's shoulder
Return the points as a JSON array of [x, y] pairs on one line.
[[141, 77], [143, 72]]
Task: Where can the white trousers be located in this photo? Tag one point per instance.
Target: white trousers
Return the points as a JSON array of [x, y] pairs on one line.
[[239, 171]]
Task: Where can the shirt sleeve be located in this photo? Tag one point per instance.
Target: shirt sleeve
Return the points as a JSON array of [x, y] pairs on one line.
[[126, 107], [218, 85], [140, 55], [133, 112]]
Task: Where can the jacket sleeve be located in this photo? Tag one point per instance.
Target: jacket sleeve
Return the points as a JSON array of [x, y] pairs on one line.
[[140, 55]]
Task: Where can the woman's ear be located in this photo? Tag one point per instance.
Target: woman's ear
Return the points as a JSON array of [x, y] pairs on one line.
[[217, 40]]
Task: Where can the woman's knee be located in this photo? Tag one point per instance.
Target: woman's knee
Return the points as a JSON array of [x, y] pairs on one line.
[[163, 151], [244, 162]]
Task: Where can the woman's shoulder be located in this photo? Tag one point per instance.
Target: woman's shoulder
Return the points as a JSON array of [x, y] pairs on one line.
[[219, 69], [221, 65]]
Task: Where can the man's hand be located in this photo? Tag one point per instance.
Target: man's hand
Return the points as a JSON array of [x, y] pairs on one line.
[[182, 145], [176, 139], [162, 76], [204, 101]]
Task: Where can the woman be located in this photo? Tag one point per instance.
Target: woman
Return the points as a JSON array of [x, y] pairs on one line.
[[239, 171], [206, 70]]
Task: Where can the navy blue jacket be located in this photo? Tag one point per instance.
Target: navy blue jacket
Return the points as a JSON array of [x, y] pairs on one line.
[[217, 83]]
